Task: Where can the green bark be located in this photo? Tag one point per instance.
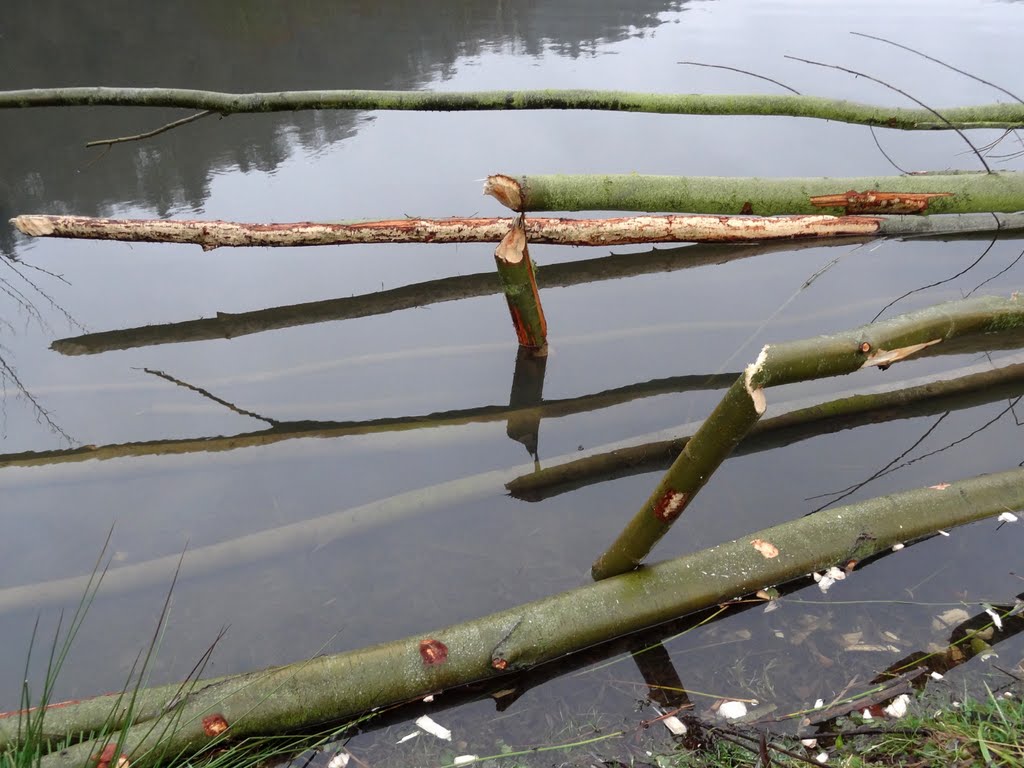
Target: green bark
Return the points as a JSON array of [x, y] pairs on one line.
[[981, 116], [971, 192], [337, 687], [518, 283], [880, 343]]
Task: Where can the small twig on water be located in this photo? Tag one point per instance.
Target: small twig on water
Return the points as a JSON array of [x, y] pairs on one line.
[[151, 134]]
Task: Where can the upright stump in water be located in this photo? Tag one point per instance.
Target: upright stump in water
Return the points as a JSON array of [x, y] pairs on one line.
[[520, 286]]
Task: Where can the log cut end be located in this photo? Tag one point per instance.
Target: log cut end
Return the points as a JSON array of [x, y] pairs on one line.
[[505, 190], [33, 226]]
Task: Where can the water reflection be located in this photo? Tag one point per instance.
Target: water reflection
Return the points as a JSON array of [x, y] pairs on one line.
[[242, 46]]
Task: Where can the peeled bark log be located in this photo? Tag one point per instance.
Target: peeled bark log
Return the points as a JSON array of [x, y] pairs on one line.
[[879, 344], [982, 116], [626, 230], [333, 688], [958, 192]]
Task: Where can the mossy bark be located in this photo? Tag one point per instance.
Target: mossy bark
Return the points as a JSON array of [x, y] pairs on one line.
[[968, 192], [337, 687], [881, 344], [981, 116]]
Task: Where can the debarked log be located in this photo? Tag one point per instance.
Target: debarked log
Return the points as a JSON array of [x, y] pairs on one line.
[[981, 116], [626, 230], [336, 687], [945, 192], [879, 344]]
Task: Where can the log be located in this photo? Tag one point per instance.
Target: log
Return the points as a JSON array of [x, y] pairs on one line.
[[628, 230], [982, 116], [518, 283], [945, 192], [878, 344], [340, 686]]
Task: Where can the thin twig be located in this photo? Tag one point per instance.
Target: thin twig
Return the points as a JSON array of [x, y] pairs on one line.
[[742, 72], [962, 272], [154, 132], [917, 101], [1001, 272], [885, 154], [940, 63]]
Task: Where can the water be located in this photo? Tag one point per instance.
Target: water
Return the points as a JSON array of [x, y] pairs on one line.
[[477, 551]]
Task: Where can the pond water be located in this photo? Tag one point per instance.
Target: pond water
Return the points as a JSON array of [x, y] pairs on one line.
[[463, 549]]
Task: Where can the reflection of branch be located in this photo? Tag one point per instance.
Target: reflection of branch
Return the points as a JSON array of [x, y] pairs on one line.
[[211, 396], [970, 387], [851, 489], [228, 325], [8, 372], [1001, 272], [154, 132], [328, 429]]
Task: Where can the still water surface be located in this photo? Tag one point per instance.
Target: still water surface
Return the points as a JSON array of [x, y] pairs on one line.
[[477, 550]]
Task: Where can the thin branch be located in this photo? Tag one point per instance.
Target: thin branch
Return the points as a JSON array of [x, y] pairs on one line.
[[42, 415], [1001, 272], [917, 101], [885, 154], [940, 63], [963, 271], [154, 132], [742, 72]]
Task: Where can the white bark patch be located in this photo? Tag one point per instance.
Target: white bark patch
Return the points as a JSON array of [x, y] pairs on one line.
[[766, 548], [33, 226], [882, 357], [428, 725], [756, 393]]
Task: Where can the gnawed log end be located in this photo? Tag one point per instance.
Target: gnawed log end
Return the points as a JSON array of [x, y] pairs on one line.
[[33, 226], [505, 190]]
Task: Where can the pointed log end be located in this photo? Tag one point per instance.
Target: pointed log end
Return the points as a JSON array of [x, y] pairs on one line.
[[505, 190], [33, 226], [512, 248]]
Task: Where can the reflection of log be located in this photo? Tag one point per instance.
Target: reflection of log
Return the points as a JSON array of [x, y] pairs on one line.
[[297, 696], [527, 394], [981, 116], [1001, 195], [878, 344], [982, 385], [971, 192], [290, 430], [227, 325]]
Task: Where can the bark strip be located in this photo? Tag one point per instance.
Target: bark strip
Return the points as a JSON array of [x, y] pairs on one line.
[[626, 230], [880, 344], [946, 192], [981, 116], [336, 687]]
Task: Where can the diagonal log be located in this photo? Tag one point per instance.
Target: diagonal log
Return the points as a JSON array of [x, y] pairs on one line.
[[881, 344]]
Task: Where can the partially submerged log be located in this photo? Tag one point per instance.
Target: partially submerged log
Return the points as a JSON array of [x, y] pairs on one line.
[[945, 192], [981, 116], [336, 687], [518, 283], [627, 230], [879, 344]]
